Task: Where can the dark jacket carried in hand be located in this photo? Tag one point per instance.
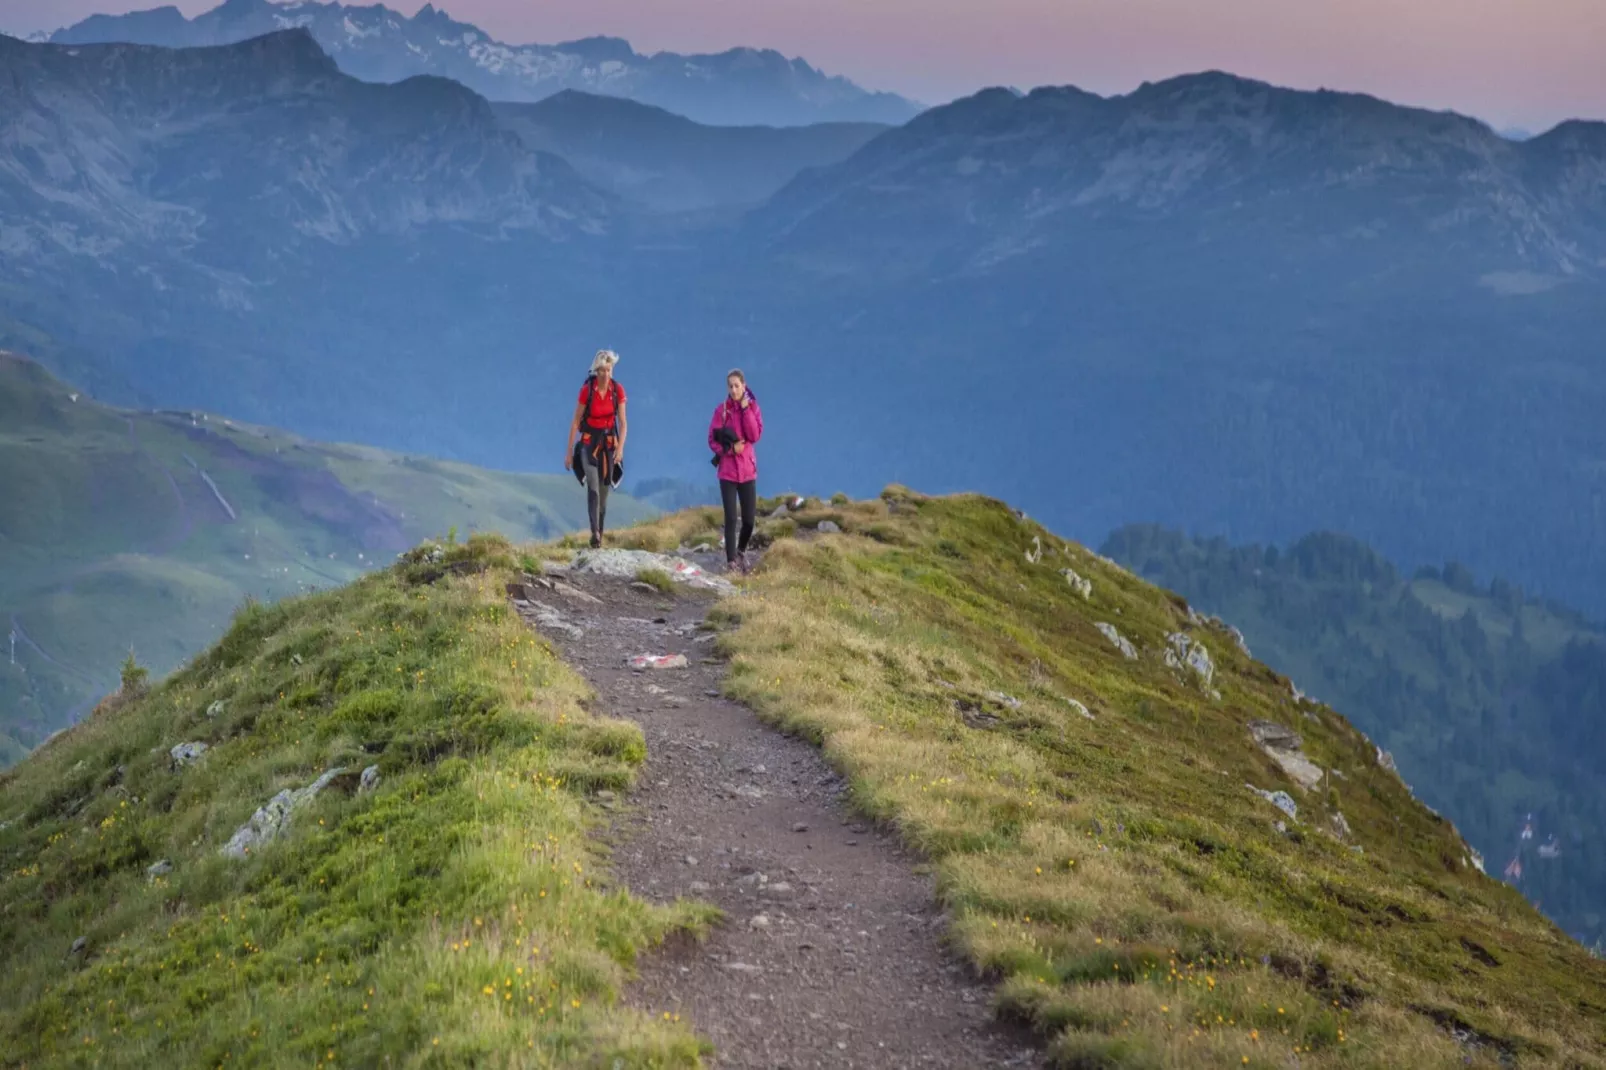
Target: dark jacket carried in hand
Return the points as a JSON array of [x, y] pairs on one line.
[[732, 424]]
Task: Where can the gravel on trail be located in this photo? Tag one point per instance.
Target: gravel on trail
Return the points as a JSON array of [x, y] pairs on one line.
[[831, 953]]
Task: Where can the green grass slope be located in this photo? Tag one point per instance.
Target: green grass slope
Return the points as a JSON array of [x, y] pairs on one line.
[[457, 914], [1141, 904], [147, 530], [1487, 698]]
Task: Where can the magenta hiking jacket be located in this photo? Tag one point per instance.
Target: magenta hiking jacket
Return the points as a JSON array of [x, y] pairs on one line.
[[748, 424]]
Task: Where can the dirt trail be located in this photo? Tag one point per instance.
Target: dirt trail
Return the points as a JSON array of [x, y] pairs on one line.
[[831, 954]]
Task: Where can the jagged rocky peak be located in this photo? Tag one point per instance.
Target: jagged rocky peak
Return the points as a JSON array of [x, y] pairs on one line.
[[600, 49], [377, 44]]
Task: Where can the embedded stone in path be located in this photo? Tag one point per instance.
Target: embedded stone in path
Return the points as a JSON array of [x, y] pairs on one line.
[[642, 662], [625, 564]]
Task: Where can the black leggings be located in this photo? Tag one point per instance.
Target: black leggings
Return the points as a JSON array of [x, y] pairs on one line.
[[731, 492]]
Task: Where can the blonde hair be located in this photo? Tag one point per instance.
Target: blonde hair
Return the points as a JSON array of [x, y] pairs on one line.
[[736, 373], [605, 358]]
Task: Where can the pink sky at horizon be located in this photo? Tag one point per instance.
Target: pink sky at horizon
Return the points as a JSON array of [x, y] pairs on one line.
[[1527, 63]]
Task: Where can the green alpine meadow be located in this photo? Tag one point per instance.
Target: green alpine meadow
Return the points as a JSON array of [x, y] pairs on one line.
[[449, 908], [1154, 848]]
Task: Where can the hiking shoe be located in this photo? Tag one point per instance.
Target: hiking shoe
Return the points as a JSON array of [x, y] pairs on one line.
[[596, 541]]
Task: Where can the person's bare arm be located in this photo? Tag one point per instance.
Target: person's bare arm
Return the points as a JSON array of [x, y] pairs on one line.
[[624, 428]]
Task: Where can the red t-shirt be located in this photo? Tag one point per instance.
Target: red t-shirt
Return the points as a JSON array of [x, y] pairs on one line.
[[604, 404]]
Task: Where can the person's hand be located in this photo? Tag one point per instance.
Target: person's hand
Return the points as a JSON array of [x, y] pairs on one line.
[[568, 461], [745, 400], [740, 446]]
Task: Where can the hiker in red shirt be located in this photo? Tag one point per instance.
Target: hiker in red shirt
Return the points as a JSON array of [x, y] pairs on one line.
[[737, 425], [598, 456]]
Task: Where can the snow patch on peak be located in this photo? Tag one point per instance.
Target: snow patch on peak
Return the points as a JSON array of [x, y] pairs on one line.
[[356, 32]]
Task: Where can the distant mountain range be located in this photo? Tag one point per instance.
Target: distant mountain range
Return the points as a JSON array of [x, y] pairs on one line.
[[377, 44], [1211, 302], [1258, 309], [1245, 167], [665, 162]]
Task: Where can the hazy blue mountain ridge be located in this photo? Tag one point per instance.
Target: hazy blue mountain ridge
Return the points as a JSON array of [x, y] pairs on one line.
[[669, 163], [999, 175], [375, 43], [1248, 310], [1257, 308]]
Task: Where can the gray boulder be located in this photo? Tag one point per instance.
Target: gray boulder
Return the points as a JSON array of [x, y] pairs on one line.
[[370, 780], [1080, 708], [185, 753], [828, 527], [1183, 651], [159, 869], [1282, 745], [1272, 735], [273, 818], [1280, 799], [1119, 641], [1081, 586], [215, 709]]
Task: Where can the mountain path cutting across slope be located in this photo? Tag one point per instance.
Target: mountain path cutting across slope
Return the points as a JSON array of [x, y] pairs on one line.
[[831, 953]]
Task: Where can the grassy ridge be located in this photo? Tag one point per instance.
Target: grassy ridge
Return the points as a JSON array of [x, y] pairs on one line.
[[149, 529], [1488, 698], [457, 915], [1139, 902]]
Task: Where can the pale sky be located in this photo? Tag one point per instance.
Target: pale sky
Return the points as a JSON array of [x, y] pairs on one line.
[[1526, 63]]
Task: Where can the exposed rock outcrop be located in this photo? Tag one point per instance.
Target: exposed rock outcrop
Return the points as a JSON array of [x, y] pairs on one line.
[[273, 818], [1280, 799], [1282, 745], [1184, 651], [1119, 641], [187, 753], [1079, 584]]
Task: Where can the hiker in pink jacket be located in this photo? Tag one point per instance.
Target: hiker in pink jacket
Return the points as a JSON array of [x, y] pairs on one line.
[[737, 425]]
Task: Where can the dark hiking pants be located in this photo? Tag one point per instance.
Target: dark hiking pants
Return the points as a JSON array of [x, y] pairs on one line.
[[597, 489], [744, 495]]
